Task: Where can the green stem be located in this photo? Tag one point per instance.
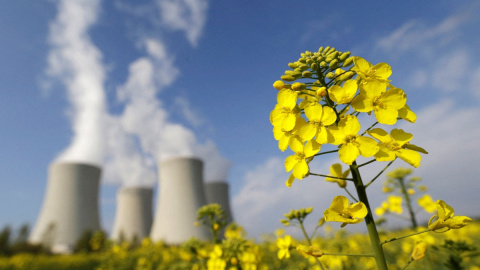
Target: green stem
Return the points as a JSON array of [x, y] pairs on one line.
[[366, 163], [323, 153], [352, 255], [409, 203], [309, 241], [324, 175], [371, 227], [405, 236], [351, 196], [408, 263], [380, 173]]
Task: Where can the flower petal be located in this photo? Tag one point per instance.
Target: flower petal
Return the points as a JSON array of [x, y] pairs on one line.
[[367, 146], [300, 170], [348, 153], [380, 135], [311, 148], [411, 157], [290, 162], [401, 136]]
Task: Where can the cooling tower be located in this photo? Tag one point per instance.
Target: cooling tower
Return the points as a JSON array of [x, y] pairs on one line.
[[133, 219], [70, 206], [181, 195], [217, 192]]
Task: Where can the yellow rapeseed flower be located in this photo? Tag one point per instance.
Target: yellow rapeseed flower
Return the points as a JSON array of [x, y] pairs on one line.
[[298, 161], [385, 104], [336, 171], [427, 203], [319, 117], [340, 211], [368, 72], [284, 137], [395, 204], [343, 94], [283, 245], [307, 251], [352, 145], [419, 250], [286, 111], [445, 219], [395, 145]]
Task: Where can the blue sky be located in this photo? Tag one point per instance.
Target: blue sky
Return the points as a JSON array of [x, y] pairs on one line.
[[170, 78]]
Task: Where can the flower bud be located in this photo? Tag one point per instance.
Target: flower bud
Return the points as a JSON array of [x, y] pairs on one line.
[[323, 64], [303, 55], [302, 60], [344, 56], [320, 49], [314, 66], [288, 72], [348, 62], [325, 51], [333, 55], [293, 65], [307, 74], [279, 85], [298, 86], [302, 67], [322, 91], [333, 64], [330, 75], [309, 61], [320, 58], [288, 78]]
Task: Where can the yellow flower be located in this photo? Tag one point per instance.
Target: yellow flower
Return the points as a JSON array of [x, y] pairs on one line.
[[318, 117], [352, 145], [340, 211], [395, 204], [445, 219], [286, 111], [215, 262], [307, 251], [385, 104], [336, 171], [368, 72], [284, 137], [407, 114], [343, 94], [283, 245], [427, 203], [297, 161], [419, 251], [395, 144]]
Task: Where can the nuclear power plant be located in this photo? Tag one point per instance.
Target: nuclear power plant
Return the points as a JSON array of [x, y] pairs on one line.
[[70, 206], [181, 195], [134, 214]]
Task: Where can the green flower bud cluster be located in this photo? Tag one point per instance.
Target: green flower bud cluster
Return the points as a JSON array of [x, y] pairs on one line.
[[326, 63], [296, 215]]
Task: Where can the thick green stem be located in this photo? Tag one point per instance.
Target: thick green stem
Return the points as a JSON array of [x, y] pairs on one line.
[[409, 203], [371, 227]]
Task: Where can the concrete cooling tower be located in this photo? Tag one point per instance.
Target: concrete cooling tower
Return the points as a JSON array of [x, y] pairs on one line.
[[217, 192], [70, 206], [134, 215], [181, 195]]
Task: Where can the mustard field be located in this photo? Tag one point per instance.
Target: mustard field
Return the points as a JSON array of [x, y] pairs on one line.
[[455, 249]]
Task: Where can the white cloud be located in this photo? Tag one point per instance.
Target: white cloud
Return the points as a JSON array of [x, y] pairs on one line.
[[415, 34], [185, 15], [77, 63]]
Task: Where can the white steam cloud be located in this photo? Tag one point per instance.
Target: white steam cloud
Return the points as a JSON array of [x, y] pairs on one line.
[[129, 145], [77, 63]]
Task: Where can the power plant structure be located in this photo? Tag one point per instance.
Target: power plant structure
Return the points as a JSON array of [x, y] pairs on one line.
[[181, 195], [134, 214], [70, 207], [217, 192]]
